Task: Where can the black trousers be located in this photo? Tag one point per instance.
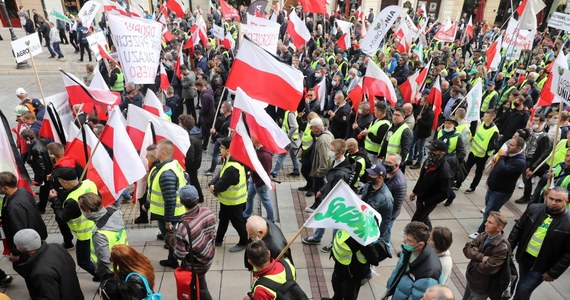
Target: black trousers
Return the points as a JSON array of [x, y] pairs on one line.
[[233, 214], [190, 108], [479, 162], [423, 210], [73, 40], [193, 176], [63, 36], [206, 126], [83, 47], [44, 194], [305, 171], [346, 285], [528, 181]]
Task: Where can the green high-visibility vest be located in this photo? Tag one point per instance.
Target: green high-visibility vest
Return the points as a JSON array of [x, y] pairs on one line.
[[369, 145], [394, 145], [537, 238], [451, 141], [235, 194], [81, 227], [506, 94], [487, 100], [285, 126], [342, 252], [559, 152], [481, 140], [114, 238], [307, 138], [155, 193], [119, 84]]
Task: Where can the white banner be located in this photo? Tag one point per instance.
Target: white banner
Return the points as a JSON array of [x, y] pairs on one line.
[[21, 50], [88, 12], [138, 43], [561, 79], [473, 99], [560, 21], [262, 32], [378, 29], [260, 22], [412, 30], [95, 39], [344, 25], [516, 40], [219, 32]]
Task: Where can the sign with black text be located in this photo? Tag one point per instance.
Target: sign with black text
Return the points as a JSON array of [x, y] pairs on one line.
[[23, 46]]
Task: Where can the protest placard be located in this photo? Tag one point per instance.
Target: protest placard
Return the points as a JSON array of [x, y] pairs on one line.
[[88, 12], [95, 39], [21, 49]]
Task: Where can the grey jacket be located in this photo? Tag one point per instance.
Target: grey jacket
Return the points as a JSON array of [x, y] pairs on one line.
[[100, 242], [321, 161], [188, 81]]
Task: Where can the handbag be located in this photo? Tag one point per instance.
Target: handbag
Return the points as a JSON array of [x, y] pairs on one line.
[[187, 285], [150, 295]]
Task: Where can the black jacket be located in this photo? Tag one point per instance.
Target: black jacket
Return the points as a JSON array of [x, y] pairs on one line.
[[230, 177], [194, 154], [503, 177], [423, 126], [433, 184], [40, 161], [554, 255], [275, 242], [339, 122], [512, 121], [50, 274], [343, 171], [20, 211], [207, 110]]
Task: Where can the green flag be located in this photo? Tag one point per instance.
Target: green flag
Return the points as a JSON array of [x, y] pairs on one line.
[[60, 16]]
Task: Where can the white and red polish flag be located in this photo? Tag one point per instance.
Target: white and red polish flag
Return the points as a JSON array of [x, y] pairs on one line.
[[298, 31], [79, 93], [177, 7], [494, 54], [268, 79], [163, 78], [127, 167], [11, 160], [377, 83], [202, 29], [411, 87], [137, 122], [469, 28], [228, 42], [261, 125], [434, 98], [148, 140], [321, 92], [547, 95], [179, 63], [344, 41], [136, 10], [153, 105], [356, 96], [114, 8], [106, 54], [100, 169]]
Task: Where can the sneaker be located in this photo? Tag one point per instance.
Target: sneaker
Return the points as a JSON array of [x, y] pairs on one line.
[[303, 188], [523, 200], [416, 166], [273, 175], [160, 237], [326, 249], [449, 201], [168, 263], [454, 188], [6, 281], [309, 194], [521, 185], [310, 241], [237, 248], [141, 220], [68, 247], [209, 173], [474, 235], [294, 173], [309, 209], [469, 191]]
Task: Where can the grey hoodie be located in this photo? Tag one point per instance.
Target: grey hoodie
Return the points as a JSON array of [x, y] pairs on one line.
[[100, 242]]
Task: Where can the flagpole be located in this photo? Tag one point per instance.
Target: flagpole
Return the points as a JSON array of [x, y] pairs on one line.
[[90, 158], [554, 142], [217, 111], [290, 243], [36, 72]]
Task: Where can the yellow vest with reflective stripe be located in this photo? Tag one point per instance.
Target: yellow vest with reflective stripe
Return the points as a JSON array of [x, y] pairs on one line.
[[451, 141], [487, 101], [155, 193], [119, 84], [342, 252], [559, 152], [394, 145], [541, 82], [285, 125], [279, 278], [481, 140], [81, 227], [369, 145], [536, 240], [307, 138], [506, 94], [461, 127], [114, 238], [235, 194]]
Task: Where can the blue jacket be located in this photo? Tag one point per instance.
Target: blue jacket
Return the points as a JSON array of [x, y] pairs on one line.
[[503, 177], [424, 272]]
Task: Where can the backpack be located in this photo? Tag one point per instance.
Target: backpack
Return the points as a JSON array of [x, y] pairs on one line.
[[499, 283], [150, 295], [289, 290]]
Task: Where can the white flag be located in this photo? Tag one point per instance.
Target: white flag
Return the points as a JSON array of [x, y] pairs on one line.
[[473, 99], [528, 18], [88, 12], [343, 209], [378, 29]]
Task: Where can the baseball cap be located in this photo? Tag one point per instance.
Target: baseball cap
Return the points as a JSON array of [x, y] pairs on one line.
[[316, 122], [426, 92], [437, 145], [20, 110], [20, 91], [490, 82], [27, 240], [65, 173], [377, 170], [451, 119], [188, 195]]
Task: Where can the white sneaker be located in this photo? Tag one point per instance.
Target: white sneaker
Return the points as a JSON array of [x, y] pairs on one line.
[[474, 235], [483, 209], [521, 186], [309, 210]]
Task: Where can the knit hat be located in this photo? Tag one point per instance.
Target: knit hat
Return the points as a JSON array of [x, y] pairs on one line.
[[27, 240]]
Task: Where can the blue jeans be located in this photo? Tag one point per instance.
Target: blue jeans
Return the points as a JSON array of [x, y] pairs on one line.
[[493, 202], [162, 228], [417, 151], [263, 192], [57, 49], [215, 157], [318, 235], [281, 159], [529, 279]]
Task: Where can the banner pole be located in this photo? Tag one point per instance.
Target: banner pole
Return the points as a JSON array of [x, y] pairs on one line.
[[89, 161], [554, 142], [36, 72], [290, 243], [216, 114]]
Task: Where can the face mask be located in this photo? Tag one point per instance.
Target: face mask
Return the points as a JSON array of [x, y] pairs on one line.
[[388, 168], [318, 75], [332, 154], [448, 129], [334, 82], [407, 248], [360, 111], [553, 121], [534, 126]]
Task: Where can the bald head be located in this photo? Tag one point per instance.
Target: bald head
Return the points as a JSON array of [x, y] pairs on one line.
[[256, 227], [352, 145], [439, 292], [408, 108]]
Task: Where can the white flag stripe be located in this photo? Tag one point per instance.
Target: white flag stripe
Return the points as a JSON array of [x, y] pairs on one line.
[[247, 143]]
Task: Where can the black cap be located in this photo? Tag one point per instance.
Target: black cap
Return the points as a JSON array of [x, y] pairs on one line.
[[437, 145], [65, 173], [377, 170], [225, 142]]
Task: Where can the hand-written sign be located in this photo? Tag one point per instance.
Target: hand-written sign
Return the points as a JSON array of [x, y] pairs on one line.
[[138, 43]]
